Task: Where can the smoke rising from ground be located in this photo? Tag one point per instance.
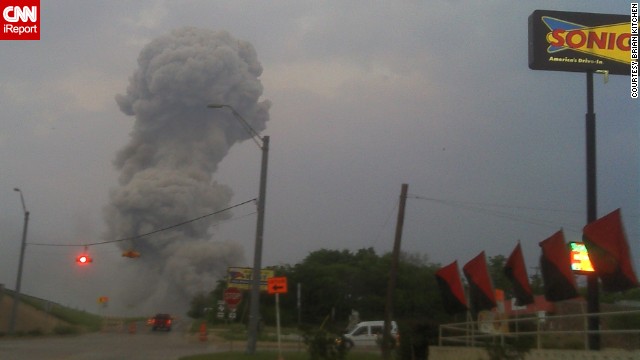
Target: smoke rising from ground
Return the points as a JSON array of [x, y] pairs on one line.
[[166, 168]]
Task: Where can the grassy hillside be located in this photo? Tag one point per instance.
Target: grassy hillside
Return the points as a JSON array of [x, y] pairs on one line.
[[39, 316]]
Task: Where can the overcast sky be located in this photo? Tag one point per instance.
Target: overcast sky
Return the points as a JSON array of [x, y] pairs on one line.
[[366, 96]]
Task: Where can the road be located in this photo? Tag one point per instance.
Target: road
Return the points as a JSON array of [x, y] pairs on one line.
[[143, 344]]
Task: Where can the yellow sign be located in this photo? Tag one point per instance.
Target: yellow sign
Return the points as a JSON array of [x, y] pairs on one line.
[[240, 277], [608, 41]]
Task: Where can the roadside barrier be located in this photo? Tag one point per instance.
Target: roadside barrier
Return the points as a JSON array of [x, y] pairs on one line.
[[203, 332], [132, 327]]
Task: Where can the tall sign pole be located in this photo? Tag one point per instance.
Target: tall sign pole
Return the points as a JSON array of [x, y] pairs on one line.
[[593, 298], [583, 42]]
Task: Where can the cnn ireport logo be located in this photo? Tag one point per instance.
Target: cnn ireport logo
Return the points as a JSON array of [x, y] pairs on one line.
[[20, 20]]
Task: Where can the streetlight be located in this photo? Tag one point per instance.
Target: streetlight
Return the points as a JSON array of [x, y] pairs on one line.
[[16, 298], [254, 309]]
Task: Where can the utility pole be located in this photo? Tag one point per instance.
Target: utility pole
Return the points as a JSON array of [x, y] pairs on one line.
[[18, 295], [254, 301], [254, 308], [393, 274]]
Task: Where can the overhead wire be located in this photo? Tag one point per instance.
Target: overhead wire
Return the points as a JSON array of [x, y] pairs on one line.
[[486, 209], [386, 222], [151, 232]]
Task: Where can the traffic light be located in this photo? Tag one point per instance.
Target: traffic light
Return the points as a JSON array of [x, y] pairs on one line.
[[131, 254], [83, 259]]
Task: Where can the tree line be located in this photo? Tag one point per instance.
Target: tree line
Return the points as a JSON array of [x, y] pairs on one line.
[[334, 283]]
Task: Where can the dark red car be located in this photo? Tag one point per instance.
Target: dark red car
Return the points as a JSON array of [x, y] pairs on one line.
[[161, 321]]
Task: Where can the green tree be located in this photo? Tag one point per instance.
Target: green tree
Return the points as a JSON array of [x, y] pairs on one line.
[[336, 282], [537, 284], [496, 270]]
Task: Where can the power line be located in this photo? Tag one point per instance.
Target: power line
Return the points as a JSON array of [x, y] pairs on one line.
[[386, 222], [482, 204], [486, 209], [152, 232]]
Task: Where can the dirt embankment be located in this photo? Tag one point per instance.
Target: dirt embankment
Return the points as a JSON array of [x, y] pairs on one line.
[[28, 318]]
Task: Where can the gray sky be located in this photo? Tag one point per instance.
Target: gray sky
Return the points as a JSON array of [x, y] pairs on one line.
[[365, 96]]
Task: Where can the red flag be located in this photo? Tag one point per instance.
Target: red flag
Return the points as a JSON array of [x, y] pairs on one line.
[[555, 263], [481, 294], [609, 252], [451, 288], [516, 271]]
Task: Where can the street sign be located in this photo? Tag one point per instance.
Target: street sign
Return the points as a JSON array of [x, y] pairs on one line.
[[240, 277], [232, 296], [277, 285], [220, 311]]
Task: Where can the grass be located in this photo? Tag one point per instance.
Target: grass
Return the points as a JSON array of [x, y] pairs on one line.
[[238, 332], [77, 318], [272, 355], [77, 321]]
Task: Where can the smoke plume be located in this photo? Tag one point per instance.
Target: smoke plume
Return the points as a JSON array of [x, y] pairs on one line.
[[175, 147]]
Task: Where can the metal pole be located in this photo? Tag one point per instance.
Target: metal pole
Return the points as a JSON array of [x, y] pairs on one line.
[[17, 296], [593, 302], [393, 273], [299, 303], [254, 310], [278, 326]]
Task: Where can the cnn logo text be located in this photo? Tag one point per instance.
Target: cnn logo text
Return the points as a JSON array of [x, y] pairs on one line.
[[20, 20]]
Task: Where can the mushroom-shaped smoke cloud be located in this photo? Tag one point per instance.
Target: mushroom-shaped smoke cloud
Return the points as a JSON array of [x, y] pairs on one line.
[[175, 147]]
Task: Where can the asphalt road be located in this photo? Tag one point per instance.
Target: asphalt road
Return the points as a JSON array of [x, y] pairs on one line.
[[143, 344]]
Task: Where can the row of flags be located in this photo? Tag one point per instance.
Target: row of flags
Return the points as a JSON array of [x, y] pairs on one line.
[[609, 254]]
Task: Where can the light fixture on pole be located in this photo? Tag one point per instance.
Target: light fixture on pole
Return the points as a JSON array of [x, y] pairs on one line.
[[17, 295], [254, 309]]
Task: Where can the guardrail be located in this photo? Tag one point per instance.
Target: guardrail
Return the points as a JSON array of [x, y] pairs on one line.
[[619, 329]]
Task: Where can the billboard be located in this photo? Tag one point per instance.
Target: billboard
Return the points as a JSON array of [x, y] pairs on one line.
[[240, 277], [579, 42]]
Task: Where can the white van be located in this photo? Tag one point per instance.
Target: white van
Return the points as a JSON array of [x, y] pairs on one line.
[[367, 333]]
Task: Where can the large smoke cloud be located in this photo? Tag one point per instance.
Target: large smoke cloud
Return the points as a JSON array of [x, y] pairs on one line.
[[166, 168]]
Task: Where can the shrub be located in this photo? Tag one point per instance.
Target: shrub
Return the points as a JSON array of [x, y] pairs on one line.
[[514, 349], [35, 332], [323, 345], [65, 330], [414, 339]]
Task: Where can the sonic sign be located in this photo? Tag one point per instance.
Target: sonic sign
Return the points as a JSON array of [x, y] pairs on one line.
[[579, 42]]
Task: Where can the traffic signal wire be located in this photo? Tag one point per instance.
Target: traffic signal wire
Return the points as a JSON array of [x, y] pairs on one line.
[[151, 232]]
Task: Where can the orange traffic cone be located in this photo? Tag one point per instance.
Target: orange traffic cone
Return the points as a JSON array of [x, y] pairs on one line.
[[132, 328], [203, 332]]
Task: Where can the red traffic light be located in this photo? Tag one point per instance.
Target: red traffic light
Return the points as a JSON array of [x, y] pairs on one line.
[[83, 259]]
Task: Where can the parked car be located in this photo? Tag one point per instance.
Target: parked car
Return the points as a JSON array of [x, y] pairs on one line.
[[368, 333]]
